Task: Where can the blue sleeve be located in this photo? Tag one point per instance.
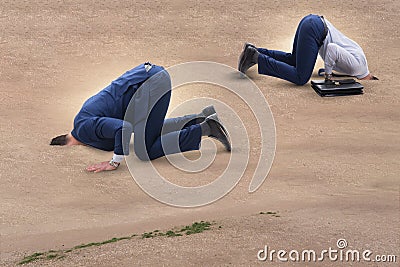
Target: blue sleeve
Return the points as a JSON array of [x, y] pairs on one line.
[[111, 128]]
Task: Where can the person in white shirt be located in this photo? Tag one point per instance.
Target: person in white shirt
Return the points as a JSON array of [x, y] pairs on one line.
[[315, 35]]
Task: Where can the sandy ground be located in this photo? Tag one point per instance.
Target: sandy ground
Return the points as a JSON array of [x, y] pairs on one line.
[[336, 170]]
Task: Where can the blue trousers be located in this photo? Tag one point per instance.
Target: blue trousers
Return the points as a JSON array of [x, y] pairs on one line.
[[295, 67], [156, 136], [166, 136]]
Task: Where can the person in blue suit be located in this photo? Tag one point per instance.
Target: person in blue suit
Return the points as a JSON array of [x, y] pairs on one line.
[[137, 102], [314, 35]]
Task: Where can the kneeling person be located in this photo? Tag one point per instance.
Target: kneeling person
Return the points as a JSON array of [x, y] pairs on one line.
[[103, 122]]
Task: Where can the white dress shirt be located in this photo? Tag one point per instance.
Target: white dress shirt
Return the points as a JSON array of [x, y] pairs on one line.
[[342, 54]]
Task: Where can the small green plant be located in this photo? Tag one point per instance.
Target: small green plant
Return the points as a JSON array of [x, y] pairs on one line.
[[33, 257], [272, 213], [171, 233], [196, 227], [52, 256], [147, 235]]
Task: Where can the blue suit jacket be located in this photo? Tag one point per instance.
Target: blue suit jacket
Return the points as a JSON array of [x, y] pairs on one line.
[[100, 123]]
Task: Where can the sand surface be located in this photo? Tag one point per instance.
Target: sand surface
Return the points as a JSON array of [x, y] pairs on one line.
[[336, 168]]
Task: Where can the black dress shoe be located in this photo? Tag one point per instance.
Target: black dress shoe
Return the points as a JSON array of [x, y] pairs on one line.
[[218, 131], [242, 54], [247, 61]]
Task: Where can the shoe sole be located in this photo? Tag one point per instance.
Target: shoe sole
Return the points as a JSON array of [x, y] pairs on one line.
[[224, 132], [241, 56], [245, 56], [220, 122], [245, 46]]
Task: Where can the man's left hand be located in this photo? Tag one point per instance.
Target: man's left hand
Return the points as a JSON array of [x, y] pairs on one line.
[[102, 166]]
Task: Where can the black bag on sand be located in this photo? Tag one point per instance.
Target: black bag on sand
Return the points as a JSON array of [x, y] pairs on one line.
[[337, 87]]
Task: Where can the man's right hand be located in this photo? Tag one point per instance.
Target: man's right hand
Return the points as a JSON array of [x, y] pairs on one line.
[[99, 167]]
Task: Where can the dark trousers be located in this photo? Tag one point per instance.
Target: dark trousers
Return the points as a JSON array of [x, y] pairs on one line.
[[295, 67], [157, 136]]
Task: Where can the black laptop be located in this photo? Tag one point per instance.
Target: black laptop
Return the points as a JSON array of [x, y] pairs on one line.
[[337, 87]]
